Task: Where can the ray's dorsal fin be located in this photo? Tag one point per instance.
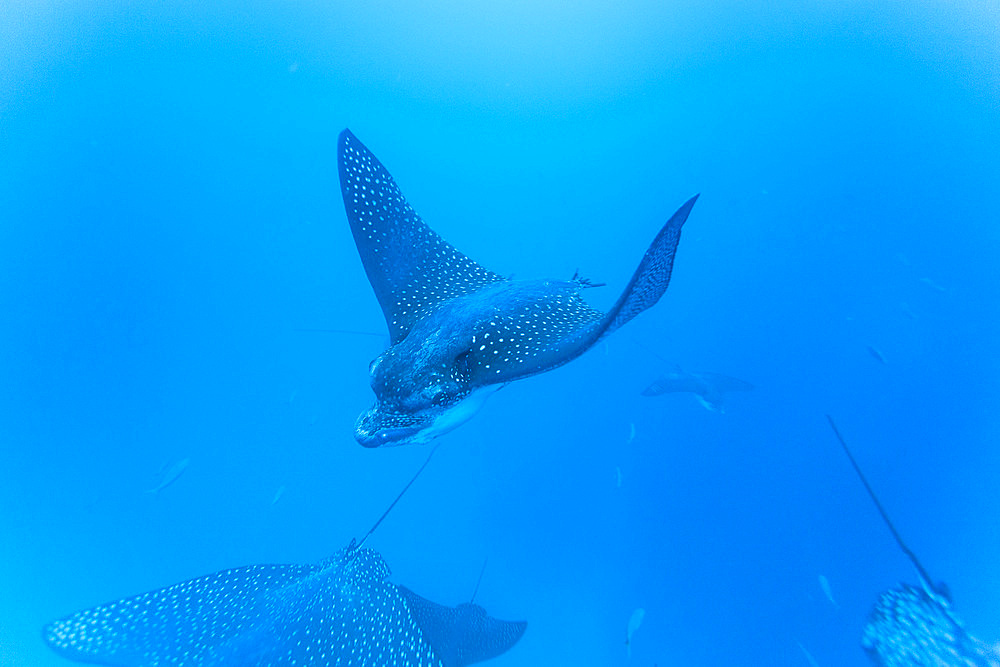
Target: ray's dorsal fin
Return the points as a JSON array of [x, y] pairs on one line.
[[924, 576], [410, 267], [464, 634]]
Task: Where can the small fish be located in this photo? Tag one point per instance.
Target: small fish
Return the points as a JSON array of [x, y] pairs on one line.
[[634, 622], [170, 475], [808, 655], [824, 583], [277, 494], [618, 476], [875, 354], [933, 285], [631, 434]]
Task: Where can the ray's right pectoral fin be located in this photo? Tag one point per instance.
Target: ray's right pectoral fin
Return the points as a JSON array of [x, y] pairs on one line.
[[561, 325], [651, 279], [464, 634]]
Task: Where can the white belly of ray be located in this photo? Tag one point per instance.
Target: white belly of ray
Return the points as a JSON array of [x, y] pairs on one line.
[[458, 415]]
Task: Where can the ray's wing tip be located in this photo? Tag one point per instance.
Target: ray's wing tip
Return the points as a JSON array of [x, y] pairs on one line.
[[52, 638], [347, 141], [517, 630], [680, 217]]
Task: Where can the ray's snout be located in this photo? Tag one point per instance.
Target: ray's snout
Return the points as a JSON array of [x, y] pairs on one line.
[[369, 433], [384, 437]]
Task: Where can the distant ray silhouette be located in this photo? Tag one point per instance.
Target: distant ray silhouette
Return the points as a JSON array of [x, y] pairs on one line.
[[710, 388], [457, 330], [340, 611], [914, 626]]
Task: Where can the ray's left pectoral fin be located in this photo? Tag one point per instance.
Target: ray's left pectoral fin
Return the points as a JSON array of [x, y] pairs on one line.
[[462, 635], [410, 267], [171, 625]]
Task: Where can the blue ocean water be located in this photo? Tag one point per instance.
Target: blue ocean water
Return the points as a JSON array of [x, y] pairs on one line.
[[172, 234]]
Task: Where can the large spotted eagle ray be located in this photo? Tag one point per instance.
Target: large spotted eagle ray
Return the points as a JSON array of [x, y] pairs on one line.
[[342, 611], [457, 331], [914, 626]]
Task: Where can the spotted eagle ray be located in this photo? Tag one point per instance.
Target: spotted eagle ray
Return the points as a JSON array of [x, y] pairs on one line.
[[341, 611], [914, 625], [708, 387], [458, 331]]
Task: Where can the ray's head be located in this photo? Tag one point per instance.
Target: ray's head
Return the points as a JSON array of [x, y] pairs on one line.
[[416, 402]]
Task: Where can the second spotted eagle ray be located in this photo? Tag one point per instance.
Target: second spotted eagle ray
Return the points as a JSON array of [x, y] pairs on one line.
[[708, 387], [342, 611], [915, 625], [458, 331]]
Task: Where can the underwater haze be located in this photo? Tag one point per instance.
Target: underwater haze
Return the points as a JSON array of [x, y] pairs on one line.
[[183, 306]]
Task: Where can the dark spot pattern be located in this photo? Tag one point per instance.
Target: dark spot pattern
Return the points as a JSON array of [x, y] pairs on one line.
[[464, 634], [908, 627], [411, 268], [342, 611], [651, 279]]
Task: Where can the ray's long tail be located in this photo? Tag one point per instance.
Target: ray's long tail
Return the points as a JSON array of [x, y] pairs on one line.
[[881, 510]]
